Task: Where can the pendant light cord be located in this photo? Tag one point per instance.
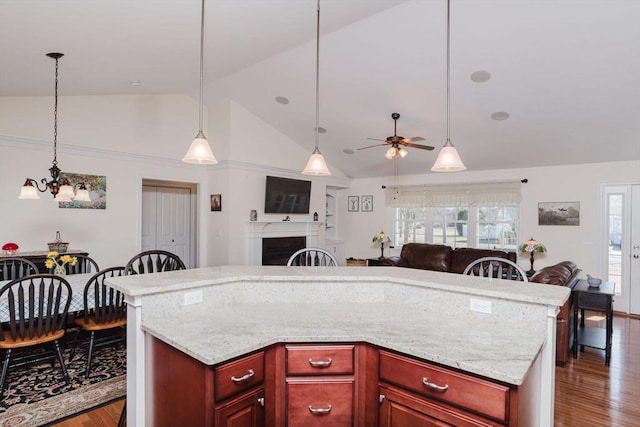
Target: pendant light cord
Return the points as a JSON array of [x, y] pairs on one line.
[[55, 118], [201, 67], [317, 73], [448, 74]]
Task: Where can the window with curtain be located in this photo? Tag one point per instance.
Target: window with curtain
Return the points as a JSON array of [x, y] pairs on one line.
[[480, 215]]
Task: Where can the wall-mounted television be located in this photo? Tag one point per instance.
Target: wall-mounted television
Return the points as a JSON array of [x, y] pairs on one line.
[[287, 196]]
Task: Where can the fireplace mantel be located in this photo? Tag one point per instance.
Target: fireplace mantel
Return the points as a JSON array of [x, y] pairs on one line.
[[257, 230]]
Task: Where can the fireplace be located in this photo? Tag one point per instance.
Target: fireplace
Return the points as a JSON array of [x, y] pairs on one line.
[[257, 231], [278, 250]]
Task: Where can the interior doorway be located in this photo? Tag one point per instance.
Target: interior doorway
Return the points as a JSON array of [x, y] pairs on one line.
[[169, 218], [621, 234]]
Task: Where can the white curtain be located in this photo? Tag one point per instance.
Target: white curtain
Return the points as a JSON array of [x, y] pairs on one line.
[[492, 193]]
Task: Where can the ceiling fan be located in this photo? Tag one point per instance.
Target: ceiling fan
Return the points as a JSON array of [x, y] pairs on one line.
[[397, 142]]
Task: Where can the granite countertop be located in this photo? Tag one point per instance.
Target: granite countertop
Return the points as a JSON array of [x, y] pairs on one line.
[[419, 313]]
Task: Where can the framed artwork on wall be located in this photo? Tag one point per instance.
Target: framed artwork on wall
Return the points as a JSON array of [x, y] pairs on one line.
[[353, 204], [558, 213], [367, 204], [97, 186], [216, 202]]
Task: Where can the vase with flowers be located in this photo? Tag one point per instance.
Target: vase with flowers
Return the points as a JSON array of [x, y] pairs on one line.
[[57, 262], [381, 238], [532, 246]]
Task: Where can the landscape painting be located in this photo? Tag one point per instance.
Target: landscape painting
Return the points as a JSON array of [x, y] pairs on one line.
[[97, 186], [559, 213]]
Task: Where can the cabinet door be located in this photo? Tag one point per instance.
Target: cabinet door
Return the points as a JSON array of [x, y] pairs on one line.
[[399, 409], [321, 402], [246, 410]]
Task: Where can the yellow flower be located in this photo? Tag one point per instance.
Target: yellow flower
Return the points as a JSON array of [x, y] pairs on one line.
[[52, 254], [52, 262], [48, 263]]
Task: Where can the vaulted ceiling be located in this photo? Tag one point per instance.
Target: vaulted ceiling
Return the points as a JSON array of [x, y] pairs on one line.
[[566, 72]]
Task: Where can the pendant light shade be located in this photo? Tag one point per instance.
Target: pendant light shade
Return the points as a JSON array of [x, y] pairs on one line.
[[316, 164], [448, 159], [199, 152]]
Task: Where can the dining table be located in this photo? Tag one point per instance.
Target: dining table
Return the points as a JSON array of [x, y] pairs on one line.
[[77, 283]]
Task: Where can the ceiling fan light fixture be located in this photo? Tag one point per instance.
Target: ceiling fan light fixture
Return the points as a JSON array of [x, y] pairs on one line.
[[403, 153], [448, 159], [199, 152], [391, 153], [316, 165]]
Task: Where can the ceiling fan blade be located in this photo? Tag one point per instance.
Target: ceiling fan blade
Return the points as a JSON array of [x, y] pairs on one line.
[[371, 146], [420, 146], [376, 139], [413, 139]]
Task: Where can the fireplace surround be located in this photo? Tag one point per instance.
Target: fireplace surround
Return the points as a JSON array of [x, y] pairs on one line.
[[258, 230]]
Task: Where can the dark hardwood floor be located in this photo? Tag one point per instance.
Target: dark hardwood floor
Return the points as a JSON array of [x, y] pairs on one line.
[[588, 393]]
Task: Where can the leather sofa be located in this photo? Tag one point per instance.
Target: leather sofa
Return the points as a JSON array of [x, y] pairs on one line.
[[427, 256]]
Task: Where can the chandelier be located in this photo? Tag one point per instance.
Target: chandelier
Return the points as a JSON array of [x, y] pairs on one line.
[[60, 188]]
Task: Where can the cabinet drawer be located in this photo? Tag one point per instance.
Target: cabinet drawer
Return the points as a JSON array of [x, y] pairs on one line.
[[320, 402], [239, 375], [477, 395], [319, 359], [593, 301]]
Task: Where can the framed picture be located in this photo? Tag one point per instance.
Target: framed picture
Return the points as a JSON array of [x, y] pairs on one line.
[[353, 205], [216, 202], [97, 186], [367, 204], [558, 213]]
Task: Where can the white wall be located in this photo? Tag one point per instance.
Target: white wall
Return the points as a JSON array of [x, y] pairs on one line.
[[582, 183]]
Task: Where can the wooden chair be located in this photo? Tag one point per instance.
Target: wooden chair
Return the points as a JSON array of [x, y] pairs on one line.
[[312, 257], [496, 268], [154, 261], [104, 309], [38, 308], [85, 264], [13, 268]]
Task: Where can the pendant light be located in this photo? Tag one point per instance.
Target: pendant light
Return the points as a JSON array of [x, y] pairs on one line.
[[61, 189], [448, 159], [199, 151], [316, 164]]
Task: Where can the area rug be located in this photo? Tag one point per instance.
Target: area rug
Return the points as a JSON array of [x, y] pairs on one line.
[[37, 395]]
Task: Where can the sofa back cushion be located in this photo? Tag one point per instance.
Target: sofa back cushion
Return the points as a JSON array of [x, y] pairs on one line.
[[462, 257], [425, 256], [560, 274]]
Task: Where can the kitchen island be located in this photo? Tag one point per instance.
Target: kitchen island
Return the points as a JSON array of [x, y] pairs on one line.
[[494, 329]]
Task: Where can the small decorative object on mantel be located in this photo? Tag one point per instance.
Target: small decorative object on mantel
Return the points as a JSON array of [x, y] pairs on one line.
[[253, 215], [10, 248], [381, 238], [315, 216], [56, 262], [593, 282], [58, 245], [532, 246], [287, 218]]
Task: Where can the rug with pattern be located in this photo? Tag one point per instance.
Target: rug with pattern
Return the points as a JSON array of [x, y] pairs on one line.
[[37, 395]]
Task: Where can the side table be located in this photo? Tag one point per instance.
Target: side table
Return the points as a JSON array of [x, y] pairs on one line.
[[595, 299], [377, 262]]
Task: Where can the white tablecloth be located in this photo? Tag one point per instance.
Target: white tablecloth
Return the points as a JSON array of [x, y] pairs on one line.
[[77, 282]]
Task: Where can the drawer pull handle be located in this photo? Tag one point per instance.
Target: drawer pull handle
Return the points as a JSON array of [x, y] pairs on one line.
[[433, 386], [320, 411], [261, 401], [320, 363], [243, 378]]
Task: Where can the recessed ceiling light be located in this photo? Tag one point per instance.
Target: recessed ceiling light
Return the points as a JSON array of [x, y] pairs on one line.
[[320, 129], [282, 100], [135, 83], [348, 151], [480, 76], [500, 115]]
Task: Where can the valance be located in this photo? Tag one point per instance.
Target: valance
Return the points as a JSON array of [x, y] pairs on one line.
[[488, 193]]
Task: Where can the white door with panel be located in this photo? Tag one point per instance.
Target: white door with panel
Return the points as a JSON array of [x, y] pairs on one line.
[[621, 234], [166, 220]]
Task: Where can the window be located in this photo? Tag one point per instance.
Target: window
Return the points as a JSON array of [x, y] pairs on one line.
[[486, 227]]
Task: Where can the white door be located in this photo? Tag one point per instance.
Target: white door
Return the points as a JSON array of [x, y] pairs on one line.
[[166, 220], [621, 233]]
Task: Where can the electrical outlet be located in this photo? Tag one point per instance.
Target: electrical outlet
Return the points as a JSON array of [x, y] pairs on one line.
[[194, 297], [480, 305]]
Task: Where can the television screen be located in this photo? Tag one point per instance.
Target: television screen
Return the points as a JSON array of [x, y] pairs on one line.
[[288, 196]]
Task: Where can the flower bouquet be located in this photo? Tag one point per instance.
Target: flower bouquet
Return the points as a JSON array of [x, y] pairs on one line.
[[56, 262]]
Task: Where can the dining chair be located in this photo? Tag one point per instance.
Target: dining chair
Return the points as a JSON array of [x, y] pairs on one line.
[[38, 307], [13, 268], [104, 310], [496, 268], [312, 257], [154, 261], [85, 264]]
